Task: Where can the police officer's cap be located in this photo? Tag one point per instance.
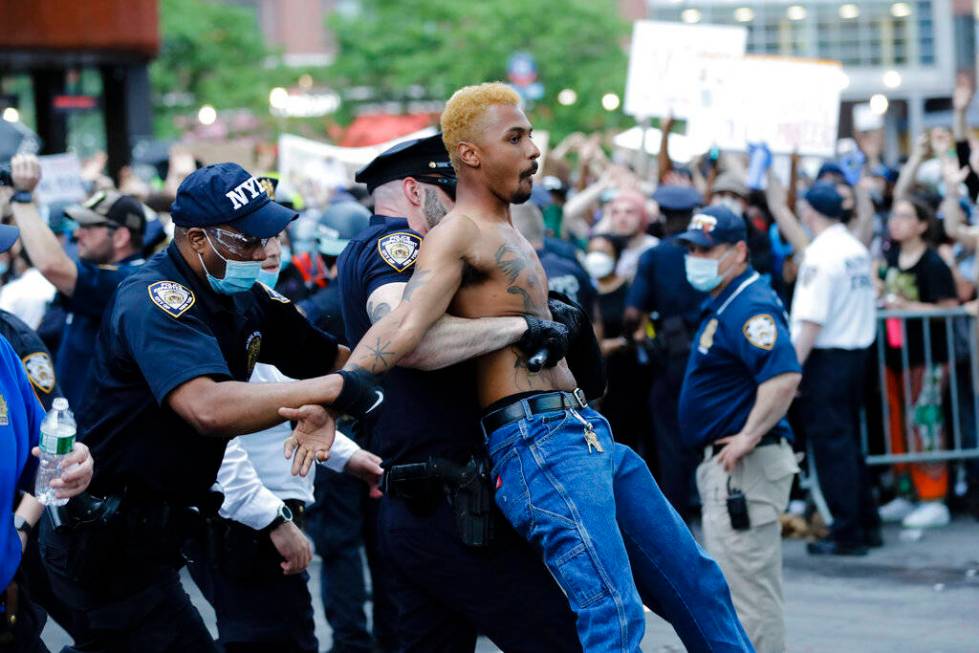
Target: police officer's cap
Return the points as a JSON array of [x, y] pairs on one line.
[[714, 225], [110, 208], [338, 224], [8, 236], [677, 198], [225, 194], [415, 158], [825, 199]]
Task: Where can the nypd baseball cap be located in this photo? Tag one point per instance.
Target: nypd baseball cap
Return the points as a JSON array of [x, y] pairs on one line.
[[825, 199], [714, 225], [8, 236], [224, 193]]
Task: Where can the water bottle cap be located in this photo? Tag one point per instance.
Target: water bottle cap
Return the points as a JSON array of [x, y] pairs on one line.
[[60, 404]]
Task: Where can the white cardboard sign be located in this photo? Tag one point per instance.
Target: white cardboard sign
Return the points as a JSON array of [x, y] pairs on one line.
[[61, 179]]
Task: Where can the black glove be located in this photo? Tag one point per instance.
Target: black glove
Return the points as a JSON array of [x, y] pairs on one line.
[[568, 313], [584, 355], [544, 336], [360, 395]]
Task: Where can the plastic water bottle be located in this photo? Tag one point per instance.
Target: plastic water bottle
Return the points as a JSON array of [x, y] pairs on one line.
[[57, 440]]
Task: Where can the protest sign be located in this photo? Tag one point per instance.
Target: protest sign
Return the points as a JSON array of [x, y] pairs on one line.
[[61, 179], [667, 62]]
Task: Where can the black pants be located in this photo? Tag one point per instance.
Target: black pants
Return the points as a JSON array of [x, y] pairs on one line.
[[258, 609], [335, 522], [26, 630], [137, 605], [832, 387], [676, 463], [447, 592]]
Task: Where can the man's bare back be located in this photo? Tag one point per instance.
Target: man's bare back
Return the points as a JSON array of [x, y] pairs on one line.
[[503, 277]]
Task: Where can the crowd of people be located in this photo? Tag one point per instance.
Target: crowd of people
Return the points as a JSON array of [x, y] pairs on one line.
[[479, 322]]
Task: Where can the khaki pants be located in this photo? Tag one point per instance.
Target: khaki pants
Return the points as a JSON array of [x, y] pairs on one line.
[[751, 559]]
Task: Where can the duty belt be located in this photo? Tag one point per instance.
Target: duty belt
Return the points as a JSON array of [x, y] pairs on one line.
[[542, 403], [767, 439]]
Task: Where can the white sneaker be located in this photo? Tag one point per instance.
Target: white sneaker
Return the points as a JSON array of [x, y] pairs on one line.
[[930, 514], [895, 510]]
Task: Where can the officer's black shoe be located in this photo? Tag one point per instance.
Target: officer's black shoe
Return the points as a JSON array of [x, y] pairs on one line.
[[830, 547], [873, 538]]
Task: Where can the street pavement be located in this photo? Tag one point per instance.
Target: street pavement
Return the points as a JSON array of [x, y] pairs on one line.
[[910, 596]]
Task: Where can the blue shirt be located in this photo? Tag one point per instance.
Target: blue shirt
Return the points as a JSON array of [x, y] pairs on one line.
[[424, 414], [20, 424], [661, 285], [93, 289], [742, 342], [166, 326]]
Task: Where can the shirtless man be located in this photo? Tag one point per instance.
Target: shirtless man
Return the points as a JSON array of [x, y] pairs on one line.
[[588, 504]]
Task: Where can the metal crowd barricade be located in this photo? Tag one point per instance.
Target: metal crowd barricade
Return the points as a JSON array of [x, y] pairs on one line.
[[956, 329], [959, 330]]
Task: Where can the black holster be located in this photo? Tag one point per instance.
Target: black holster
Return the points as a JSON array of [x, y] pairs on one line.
[[468, 489]]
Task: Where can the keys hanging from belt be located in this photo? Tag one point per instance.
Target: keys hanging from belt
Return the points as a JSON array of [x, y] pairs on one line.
[[591, 438]]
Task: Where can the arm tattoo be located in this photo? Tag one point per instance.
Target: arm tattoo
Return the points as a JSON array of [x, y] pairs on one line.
[[528, 303], [375, 313], [418, 279], [511, 267], [380, 354]]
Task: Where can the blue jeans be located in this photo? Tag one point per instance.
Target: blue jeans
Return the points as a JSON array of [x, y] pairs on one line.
[[608, 535]]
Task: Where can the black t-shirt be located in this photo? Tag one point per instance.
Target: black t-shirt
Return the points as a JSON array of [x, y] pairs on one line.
[[164, 327], [569, 278], [612, 307], [929, 281]]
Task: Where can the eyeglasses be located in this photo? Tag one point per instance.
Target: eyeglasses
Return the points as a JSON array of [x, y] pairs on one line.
[[448, 184], [236, 243]]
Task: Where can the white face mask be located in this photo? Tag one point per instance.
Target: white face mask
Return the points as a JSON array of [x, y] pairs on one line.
[[702, 273], [599, 265]]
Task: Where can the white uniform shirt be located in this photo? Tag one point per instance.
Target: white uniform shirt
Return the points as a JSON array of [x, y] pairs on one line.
[[835, 289], [255, 475]]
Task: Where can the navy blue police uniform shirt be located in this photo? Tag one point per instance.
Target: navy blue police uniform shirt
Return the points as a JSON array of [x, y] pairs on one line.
[[433, 413], [742, 342], [569, 278], [20, 426], [661, 285], [34, 356], [85, 307], [164, 327]]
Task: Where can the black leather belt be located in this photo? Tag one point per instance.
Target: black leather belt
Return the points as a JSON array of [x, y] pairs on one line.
[[767, 439], [542, 403]]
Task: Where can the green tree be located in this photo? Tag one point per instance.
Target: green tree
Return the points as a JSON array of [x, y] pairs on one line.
[[211, 53], [394, 45]]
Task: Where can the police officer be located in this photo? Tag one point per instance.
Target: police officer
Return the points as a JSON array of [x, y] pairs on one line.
[[661, 291], [446, 591], [833, 324], [740, 380], [180, 338], [110, 245]]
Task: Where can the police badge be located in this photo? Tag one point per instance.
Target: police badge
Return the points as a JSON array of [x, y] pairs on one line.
[[253, 347], [171, 297], [40, 371], [399, 250], [760, 331]]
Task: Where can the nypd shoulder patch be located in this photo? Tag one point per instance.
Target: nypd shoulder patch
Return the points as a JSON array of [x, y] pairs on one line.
[[760, 330], [399, 250], [171, 297], [40, 371], [273, 294]]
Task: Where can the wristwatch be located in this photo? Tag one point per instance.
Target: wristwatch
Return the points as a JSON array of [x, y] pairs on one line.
[[22, 197], [283, 515], [22, 525]]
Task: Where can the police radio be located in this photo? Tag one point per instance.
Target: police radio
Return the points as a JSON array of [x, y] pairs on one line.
[[737, 508]]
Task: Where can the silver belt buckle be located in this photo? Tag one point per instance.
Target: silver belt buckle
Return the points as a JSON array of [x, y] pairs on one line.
[[579, 396]]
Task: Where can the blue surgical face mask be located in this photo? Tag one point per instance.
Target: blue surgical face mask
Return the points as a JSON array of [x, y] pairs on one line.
[[269, 278], [702, 273], [239, 276], [285, 258], [4, 266]]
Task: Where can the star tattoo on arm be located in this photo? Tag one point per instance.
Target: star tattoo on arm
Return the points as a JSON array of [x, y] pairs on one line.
[[380, 353]]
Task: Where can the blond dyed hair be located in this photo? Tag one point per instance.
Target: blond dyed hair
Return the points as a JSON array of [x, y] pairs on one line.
[[465, 109]]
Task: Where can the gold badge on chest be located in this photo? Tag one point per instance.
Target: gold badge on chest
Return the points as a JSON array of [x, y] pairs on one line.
[[253, 346]]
